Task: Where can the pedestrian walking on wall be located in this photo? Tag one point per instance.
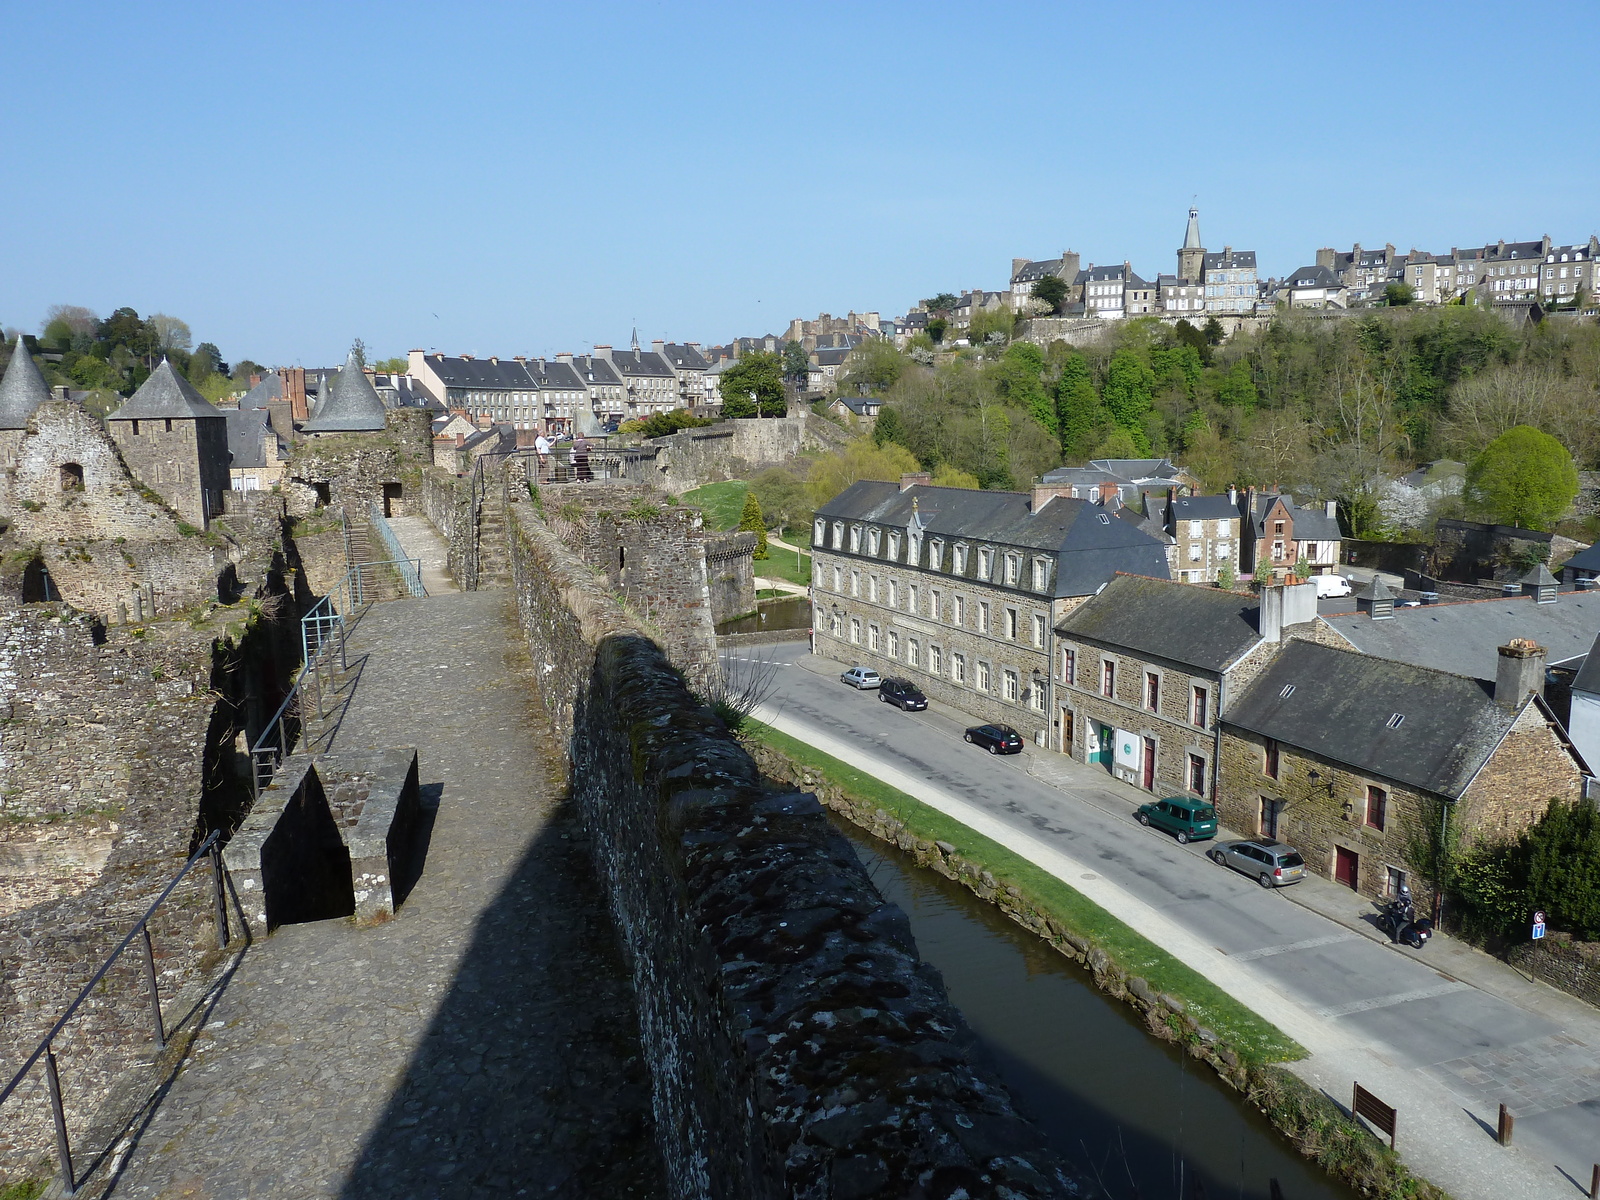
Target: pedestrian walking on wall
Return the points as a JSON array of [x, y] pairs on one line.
[[580, 458], [541, 446]]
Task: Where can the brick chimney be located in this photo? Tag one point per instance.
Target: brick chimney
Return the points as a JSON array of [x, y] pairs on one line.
[[1520, 673], [1043, 493], [907, 482], [461, 440]]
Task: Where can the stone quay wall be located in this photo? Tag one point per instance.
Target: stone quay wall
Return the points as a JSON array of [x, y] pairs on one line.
[[797, 1044]]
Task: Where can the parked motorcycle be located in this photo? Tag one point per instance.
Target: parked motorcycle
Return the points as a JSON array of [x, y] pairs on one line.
[[1398, 919]]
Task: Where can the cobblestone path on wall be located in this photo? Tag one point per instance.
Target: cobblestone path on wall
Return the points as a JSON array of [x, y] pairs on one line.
[[483, 1043], [419, 539]]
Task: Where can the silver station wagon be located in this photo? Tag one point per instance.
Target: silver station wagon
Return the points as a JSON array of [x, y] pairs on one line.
[[1272, 864]]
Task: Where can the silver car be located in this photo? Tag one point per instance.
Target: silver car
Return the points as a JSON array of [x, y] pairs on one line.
[[1271, 863], [861, 678]]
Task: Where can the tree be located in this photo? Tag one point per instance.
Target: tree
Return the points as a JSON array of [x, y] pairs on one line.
[[358, 349], [860, 460], [205, 362], [753, 387], [875, 365], [171, 333], [796, 363], [750, 521], [1051, 290], [783, 499], [1079, 414], [943, 302], [936, 328], [1524, 478], [945, 475], [889, 427], [1227, 577], [1018, 379], [392, 366], [1212, 332], [1398, 295], [1129, 389], [1237, 388]]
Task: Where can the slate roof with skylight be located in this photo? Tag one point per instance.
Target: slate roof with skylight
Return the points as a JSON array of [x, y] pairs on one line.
[[1179, 623]]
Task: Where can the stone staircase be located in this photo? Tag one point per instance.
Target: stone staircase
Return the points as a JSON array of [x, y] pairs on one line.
[[494, 566], [377, 582]]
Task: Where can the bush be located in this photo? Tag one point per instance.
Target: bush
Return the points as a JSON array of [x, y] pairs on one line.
[[1554, 865], [664, 424]]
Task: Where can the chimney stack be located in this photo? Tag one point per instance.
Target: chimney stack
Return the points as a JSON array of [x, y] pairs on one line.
[[1043, 493], [1283, 605], [907, 482], [1331, 507], [1521, 672]]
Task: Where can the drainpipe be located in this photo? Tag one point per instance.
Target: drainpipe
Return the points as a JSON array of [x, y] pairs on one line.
[[1050, 713], [1216, 754], [1438, 862]]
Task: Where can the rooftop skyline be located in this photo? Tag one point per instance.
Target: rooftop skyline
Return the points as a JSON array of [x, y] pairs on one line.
[[288, 178]]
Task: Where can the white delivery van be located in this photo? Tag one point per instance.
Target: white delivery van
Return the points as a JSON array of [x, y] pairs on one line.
[[1329, 586]]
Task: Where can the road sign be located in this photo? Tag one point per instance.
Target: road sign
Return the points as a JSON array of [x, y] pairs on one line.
[[1538, 916], [1538, 930]]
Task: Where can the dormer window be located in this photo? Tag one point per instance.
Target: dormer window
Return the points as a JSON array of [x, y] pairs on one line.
[[872, 542], [914, 552], [985, 562], [819, 532], [855, 539], [961, 558], [838, 535], [1013, 569], [894, 546], [1041, 574]]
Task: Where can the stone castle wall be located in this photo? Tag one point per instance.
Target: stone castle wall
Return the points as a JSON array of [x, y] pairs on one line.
[[797, 1045], [737, 450], [731, 575]]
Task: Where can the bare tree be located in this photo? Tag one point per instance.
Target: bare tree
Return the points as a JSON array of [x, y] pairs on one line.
[[171, 333]]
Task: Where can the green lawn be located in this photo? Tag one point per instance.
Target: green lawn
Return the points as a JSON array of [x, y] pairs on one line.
[[1253, 1038], [781, 564], [722, 503]]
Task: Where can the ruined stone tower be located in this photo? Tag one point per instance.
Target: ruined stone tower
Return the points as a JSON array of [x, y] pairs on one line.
[[176, 443]]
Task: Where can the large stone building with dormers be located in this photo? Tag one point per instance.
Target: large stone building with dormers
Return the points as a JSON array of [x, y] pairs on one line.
[[960, 590]]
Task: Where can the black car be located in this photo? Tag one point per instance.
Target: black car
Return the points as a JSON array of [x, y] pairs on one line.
[[904, 693], [996, 739]]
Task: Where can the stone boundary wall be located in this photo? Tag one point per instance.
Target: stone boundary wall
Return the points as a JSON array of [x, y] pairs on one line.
[[1556, 959], [797, 1045], [446, 501], [737, 449], [763, 639]]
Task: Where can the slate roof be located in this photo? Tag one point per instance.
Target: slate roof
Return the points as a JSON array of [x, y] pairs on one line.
[[554, 376], [1090, 547], [351, 404], [166, 394], [22, 390], [505, 374], [1085, 477], [1181, 623], [1584, 560], [862, 406], [831, 356], [685, 357], [1464, 638], [1588, 677], [1138, 468], [1034, 271], [269, 389], [1104, 274], [1313, 276], [1310, 524], [1198, 508], [640, 363], [1342, 704], [248, 429], [1230, 259], [592, 369]]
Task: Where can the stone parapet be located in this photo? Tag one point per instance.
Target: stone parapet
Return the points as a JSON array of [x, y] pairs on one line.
[[797, 1044]]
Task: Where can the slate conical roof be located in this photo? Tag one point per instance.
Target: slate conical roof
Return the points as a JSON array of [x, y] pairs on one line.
[[165, 394], [349, 404], [22, 390], [1191, 235]]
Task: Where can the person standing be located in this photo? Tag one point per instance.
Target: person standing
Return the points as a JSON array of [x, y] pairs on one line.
[[541, 447], [580, 458]]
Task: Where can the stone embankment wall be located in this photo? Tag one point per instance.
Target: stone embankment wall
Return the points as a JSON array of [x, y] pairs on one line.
[[446, 501], [797, 1044], [354, 467], [1091, 331], [1563, 963], [737, 450]]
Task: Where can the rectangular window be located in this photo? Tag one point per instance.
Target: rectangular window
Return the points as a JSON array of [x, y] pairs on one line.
[[1013, 687], [1011, 623], [935, 606], [1013, 569], [1197, 707], [838, 579], [1377, 807], [1194, 551], [936, 660], [961, 610], [913, 652], [985, 563], [984, 681], [983, 616], [855, 539], [1069, 666], [1108, 678], [894, 594], [1197, 774], [872, 589], [1038, 629], [855, 630], [1269, 764], [1036, 694], [855, 583], [1394, 880], [958, 667], [874, 636], [1152, 691], [961, 559], [1041, 573]]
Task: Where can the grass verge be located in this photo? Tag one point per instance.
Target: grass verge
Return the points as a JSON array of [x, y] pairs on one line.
[[722, 503], [791, 565], [1255, 1040]]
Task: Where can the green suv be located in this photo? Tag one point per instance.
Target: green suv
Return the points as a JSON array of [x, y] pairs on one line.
[[1187, 820]]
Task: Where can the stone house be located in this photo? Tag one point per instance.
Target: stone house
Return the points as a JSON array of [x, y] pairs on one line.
[[1229, 279], [1279, 532], [1103, 290], [1201, 532], [258, 457], [1138, 297], [1363, 763], [960, 590], [1144, 669], [1569, 271], [649, 385], [1026, 273], [608, 397], [175, 442], [1315, 286], [690, 366], [1180, 297]]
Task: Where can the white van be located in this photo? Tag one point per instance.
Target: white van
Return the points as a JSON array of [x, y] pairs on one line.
[[1330, 586]]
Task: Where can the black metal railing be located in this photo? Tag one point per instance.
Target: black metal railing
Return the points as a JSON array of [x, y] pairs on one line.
[[210, 848]]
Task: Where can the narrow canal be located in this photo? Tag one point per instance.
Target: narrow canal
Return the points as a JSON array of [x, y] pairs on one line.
[[1142, 1119]]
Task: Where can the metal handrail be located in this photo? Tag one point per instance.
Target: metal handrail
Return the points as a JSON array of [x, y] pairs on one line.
[[409, 569], [211, 847]]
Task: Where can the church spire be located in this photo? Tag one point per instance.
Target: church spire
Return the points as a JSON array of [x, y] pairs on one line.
[[1191, 236], [636, 339]]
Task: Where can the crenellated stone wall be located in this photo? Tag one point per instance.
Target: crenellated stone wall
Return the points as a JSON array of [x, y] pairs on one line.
[[797, 1044]]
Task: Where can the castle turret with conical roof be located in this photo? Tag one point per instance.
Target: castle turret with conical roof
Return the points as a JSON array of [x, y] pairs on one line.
[[349, 404], [175, 442], [22, 390], [1192, 257]]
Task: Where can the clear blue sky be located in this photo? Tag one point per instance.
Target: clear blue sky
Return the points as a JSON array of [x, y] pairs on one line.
[[496, 178]]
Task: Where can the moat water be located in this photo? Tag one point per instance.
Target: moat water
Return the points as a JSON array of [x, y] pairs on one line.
[[1134, 1114], [788, 612]]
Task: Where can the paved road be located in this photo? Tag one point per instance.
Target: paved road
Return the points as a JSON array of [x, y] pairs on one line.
[[1540, 1055]]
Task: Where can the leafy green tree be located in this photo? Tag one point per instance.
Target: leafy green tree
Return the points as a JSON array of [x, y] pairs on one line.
[[874, 365], [1213, 333], [1227, 577], [945, 475], [750, 521], [1237, 388], [392, 366], [1079, 414], [1051, 290], [206, 362], [942, 303], [936, 328], [783, 498], [1019, 379], [1177, 367], [1398, 295], [753, 387], [1524, 477], [664, 424], [1127, 395], [1263, 571], [833, 473], [171, 333], [1188, 335], [994, 325], [796, 363], [358, 348]]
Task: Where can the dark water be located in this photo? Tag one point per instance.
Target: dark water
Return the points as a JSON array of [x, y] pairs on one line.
[[790, 612], [1131, 1112]]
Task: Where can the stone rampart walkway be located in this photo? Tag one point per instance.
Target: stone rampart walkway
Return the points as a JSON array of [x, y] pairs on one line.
[[483, 1043]]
